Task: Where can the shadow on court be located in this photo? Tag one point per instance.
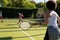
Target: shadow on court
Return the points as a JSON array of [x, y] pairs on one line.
[[5, 38], [10, 24], [9, 28], [20, 30]]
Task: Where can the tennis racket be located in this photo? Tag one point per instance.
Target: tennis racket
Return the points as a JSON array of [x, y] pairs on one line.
[[25, 25]]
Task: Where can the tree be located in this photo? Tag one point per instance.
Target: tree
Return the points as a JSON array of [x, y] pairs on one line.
[[4, 2], [40, 4], [18, 3], [10, 3], [58, 7], [23, 4], [29, 5], [33, 2]]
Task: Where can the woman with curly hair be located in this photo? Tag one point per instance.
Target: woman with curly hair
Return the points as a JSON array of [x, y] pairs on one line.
[[51, 18]]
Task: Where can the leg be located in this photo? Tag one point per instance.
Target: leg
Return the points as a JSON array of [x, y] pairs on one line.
[[46, 35], [19, 21], [58, 34], [53, 33]]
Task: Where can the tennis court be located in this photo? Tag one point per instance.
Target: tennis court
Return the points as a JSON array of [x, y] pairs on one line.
[[13, 32]]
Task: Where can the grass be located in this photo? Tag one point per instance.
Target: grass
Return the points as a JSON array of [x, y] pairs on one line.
[[12, 32]]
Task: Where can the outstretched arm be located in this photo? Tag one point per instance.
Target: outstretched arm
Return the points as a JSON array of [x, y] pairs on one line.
[[46, 16], [45, 19]]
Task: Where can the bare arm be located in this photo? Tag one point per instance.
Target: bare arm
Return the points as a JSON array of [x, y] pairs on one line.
[[46, 16], [58, 19], [45, 19]]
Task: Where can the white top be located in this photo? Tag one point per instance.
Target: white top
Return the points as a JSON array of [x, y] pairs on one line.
[[52, 20], [0, 13]]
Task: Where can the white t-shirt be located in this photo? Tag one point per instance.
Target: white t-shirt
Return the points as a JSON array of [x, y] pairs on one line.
[[52, 20], [20, 16], [0, 13]]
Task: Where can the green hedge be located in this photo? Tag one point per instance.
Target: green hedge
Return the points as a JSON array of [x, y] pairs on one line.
[[13, 12]]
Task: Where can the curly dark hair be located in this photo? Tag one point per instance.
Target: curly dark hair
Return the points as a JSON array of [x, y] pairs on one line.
[[51, 5]]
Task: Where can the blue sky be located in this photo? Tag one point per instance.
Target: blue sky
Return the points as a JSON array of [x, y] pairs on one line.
[[40, 0]]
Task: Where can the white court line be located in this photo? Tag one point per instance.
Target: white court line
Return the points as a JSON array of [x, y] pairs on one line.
[[28, 35], [21, 31]]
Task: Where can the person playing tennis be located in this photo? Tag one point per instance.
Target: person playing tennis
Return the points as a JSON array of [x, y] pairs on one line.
[[20, 17], [51, 18], [23, 25]]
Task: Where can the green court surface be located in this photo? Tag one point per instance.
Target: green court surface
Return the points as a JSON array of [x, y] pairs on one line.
[[13, 32]]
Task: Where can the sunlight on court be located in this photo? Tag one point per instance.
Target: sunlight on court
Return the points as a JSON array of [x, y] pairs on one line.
[[13, 32]]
